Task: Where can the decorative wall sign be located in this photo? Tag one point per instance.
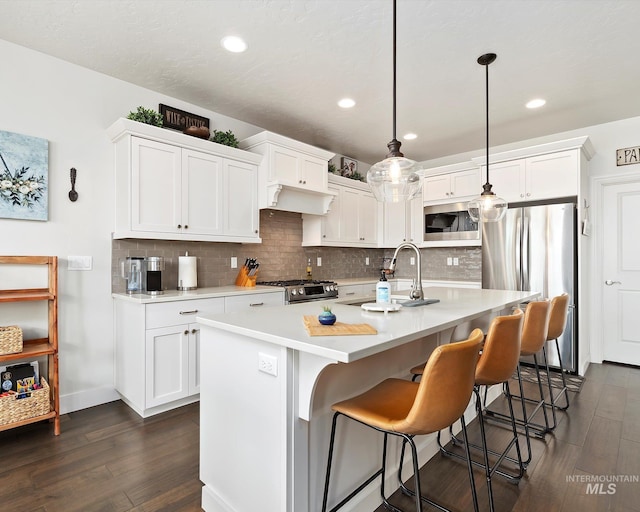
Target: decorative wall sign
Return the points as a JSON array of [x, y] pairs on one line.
[[179, 119], [24, 176], [628, 156]]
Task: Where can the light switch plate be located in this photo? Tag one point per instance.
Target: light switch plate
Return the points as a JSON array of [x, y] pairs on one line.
[[79, 262]]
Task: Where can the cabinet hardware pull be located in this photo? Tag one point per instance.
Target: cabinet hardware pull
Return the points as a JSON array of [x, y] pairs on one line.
[[186, 227], [186, 332], [179, 226], [609, 282], [350, 293], [189, 312], [193, 331], [256, 304]]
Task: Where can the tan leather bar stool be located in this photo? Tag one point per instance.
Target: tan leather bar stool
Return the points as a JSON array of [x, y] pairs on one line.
[[534, 335], [557, 324], [405, 409], [497, 363]]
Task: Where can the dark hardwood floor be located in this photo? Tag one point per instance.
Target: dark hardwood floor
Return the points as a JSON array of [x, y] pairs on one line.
[[109, 459]]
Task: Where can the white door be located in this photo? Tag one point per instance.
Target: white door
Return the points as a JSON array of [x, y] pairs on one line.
[[241, 201], [621, 273], [166, 364]]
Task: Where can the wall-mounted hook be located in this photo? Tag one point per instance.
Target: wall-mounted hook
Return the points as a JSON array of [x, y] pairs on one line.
[[73, 195]]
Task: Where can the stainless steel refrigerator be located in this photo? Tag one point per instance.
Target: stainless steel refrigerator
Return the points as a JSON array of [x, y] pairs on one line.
[[534, 248]]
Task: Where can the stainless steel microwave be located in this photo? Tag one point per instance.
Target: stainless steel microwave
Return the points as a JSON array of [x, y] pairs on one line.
[[448, 222]]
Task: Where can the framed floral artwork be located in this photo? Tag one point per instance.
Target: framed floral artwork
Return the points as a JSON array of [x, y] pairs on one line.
[[348, 167], [24, 177]]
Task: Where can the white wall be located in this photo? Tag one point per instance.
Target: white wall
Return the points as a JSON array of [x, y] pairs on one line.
[[71, 107]]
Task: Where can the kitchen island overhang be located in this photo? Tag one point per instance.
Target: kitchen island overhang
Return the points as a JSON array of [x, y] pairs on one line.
[[270, 429]]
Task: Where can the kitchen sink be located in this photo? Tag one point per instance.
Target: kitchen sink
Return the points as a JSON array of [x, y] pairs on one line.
[[395, 299]]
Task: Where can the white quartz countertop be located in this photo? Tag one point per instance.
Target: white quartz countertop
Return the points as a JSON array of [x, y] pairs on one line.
[[200, 293], [283, 325]]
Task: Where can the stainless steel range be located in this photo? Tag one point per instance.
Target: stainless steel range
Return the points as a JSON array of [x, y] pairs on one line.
[[300, 290]]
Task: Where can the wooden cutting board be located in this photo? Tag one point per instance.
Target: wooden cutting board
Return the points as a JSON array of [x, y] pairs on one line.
[[315, 328]]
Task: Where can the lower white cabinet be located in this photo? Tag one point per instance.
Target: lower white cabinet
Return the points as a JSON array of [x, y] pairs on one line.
[[158, 351], [158, 347]]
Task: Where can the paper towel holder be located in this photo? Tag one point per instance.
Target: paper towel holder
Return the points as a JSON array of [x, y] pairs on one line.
[[187, 274]]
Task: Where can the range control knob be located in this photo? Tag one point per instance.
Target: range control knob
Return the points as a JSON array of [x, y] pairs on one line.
[[294, 292], [301, 291]]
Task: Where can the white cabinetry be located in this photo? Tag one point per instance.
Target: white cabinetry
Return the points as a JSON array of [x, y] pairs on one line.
[[158, 347], [403, 222], [249, 302], [352, 220], [548, 171], [447, 185], [157, 352], [292, 175], [357, 290], [176, 187]]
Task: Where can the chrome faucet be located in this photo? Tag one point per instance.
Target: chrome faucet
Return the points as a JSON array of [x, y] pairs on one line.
[[416, 289]]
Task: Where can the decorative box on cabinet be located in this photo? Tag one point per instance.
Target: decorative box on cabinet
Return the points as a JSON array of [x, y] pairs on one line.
[[41, 347], [177, 187], [352, 220], [292, 175]]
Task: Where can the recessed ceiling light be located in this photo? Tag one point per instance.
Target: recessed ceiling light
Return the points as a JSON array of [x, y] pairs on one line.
[[234, 44], [410, 136], [346, 103], [537, 103]]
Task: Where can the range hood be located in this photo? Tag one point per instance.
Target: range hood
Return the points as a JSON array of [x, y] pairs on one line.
[[293, 176]]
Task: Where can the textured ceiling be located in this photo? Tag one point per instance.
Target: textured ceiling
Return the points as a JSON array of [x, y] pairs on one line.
[[304, 55]]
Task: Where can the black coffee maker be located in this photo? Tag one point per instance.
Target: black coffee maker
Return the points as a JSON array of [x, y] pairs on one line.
[[153, 267]]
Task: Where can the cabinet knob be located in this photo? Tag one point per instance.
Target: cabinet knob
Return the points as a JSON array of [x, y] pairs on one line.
[[304, 182], [186, 227], [528, 194], [179, 226], [256, 231], [299, 181], [186, 332], [521, 195], [193, 331]]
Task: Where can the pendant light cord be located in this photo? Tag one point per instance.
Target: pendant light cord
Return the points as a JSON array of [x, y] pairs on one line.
[[394, 70], [486, 67]]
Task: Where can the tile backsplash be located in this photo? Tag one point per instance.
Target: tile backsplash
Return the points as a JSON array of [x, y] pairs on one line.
[[281, 256]]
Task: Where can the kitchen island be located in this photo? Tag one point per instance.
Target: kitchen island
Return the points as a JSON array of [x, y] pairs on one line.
[[267, 389]]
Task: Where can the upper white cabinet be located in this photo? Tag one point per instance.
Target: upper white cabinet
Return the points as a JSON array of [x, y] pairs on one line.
[[352, 220], [451, 186], [176, 187], [542, 172], [292, 175], [534, 178], [402, 222]]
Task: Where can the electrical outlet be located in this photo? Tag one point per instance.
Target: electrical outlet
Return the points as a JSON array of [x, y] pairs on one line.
[[319, 261], [234, 262], [366, 261], [449, 261], [455, 262], [413, 260], [268, 364]]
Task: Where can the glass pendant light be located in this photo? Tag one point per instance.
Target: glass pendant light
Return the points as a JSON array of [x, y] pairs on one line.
[[394, 179], [488, 207]]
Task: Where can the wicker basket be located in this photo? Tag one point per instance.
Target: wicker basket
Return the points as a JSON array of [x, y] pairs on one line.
[[10, 340], [13, 409]]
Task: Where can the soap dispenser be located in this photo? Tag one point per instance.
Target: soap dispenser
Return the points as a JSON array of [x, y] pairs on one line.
[[383, 290]]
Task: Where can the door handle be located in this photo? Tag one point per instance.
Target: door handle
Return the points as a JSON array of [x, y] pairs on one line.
[[609, 282]]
